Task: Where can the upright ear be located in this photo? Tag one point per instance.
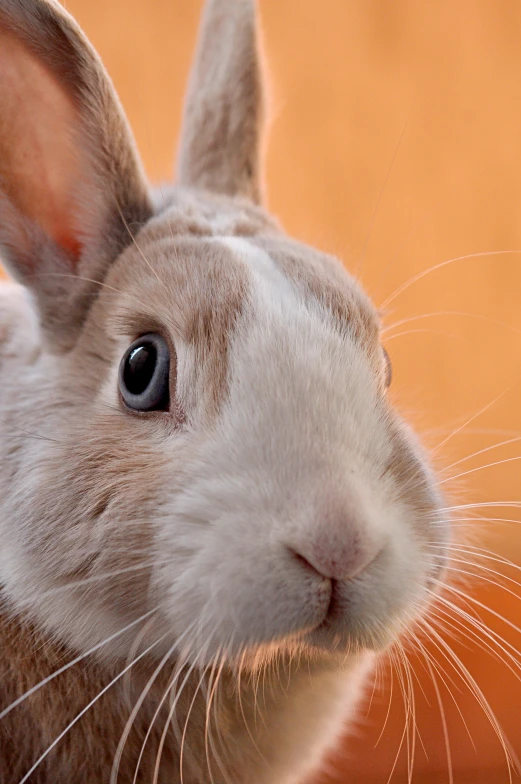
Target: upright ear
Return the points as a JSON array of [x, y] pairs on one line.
[[72, 188], [221, 135]]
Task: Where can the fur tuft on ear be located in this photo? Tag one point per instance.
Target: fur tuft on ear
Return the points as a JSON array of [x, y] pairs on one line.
[[72, 188], [221, 135]]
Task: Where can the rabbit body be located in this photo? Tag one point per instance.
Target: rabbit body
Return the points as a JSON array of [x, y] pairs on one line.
[[224, 559]]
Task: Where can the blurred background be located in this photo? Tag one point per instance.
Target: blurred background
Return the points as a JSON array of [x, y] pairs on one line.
[[396, 144]]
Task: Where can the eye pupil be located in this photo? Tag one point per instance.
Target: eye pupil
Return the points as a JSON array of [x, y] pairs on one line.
[[139, 368]]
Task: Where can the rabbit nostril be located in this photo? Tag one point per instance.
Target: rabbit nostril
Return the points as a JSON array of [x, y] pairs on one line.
[[334, 563], [307, 564]]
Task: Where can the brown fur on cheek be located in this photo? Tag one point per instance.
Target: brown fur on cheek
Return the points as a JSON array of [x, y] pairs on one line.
[[97, 547]]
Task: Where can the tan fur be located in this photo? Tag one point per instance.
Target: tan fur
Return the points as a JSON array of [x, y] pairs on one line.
[[277, 524], [220, 146], [27, 658]]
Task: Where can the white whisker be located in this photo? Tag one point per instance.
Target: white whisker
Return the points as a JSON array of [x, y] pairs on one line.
[[87, 707], [55, 674], [423, 273]]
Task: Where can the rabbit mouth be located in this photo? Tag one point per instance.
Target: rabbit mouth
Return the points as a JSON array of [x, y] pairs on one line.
[[342, 631], [349, 623]]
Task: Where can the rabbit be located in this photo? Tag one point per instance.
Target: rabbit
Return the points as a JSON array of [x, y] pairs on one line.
[[212, 521]]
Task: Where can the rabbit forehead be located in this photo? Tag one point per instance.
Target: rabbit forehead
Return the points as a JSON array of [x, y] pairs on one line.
[[201, 288], [207, 265], [195, 218], [305, 295], [319, 280]]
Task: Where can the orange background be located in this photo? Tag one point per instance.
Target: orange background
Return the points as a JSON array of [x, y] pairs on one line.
[[395, 144]]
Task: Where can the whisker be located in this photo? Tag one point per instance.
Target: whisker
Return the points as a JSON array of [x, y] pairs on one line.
[[402, 739], [442, 264], [37, 436], [481, 468], [411, 711], [477, 623], [170, 686], [241, 708], [425, 330], [446, 651], [422, 316], [382, 190], [97, 578], [480, 576], [489, 555], [445, 679], [212, 700], [208, 696], [139, 702], [140, 251], [376, 683], [87, 707], [187, 719], [475, 601], [99, 283], [481, 505], [391, 689], [55, 674], [473, 636], [443, 717], [472, 418]]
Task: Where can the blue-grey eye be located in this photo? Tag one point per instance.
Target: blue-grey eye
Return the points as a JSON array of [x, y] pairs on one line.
[[144, 374]]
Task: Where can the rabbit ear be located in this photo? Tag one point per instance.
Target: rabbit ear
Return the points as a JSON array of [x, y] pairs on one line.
[[71, 185], [221, 132]]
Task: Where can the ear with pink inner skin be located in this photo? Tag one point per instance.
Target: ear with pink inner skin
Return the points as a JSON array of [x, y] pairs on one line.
[[222, 126], [72, 188]]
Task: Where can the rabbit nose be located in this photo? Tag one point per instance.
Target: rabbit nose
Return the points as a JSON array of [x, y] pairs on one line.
[[339, 561]]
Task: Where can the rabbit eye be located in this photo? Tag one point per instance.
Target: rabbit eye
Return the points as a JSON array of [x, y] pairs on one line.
[[144, 374], [388, 369]]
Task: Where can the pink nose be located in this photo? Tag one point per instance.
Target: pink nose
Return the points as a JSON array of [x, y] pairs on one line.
[[336, 560]]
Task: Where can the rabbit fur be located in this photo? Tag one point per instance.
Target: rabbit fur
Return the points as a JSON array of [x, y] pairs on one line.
[[225, 572]]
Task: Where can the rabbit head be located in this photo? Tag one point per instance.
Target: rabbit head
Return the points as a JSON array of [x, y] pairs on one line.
[[195, 431]]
